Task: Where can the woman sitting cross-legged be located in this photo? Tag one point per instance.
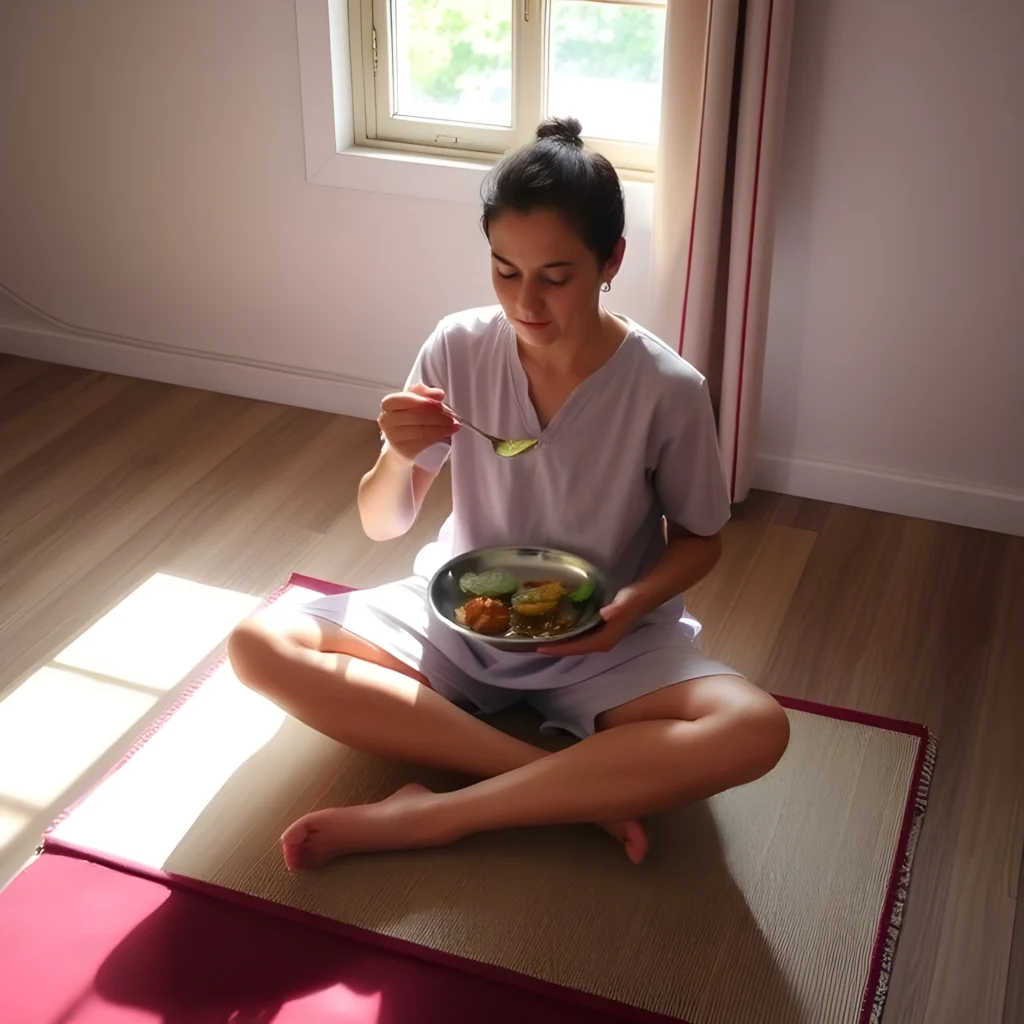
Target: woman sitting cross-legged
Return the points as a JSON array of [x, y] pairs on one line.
[[626, 474]]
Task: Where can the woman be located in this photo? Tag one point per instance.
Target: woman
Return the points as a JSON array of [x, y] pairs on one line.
[[626, 474]]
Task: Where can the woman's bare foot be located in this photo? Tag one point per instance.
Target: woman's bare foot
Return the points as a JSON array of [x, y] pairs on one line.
[[400, 822], [395, 823], [633, 836]]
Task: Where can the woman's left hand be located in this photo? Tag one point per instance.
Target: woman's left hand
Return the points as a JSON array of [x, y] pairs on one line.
[[618, 618]]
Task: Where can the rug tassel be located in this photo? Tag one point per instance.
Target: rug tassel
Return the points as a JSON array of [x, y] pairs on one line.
[[896, 918]]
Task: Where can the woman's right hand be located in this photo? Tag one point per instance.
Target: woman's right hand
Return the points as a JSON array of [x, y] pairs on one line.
[[411, 421]]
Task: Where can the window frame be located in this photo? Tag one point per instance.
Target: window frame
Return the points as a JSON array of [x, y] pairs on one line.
[[370, 27]]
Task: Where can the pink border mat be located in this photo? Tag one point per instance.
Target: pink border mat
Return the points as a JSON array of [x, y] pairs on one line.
[[87, 944], [887, 935]]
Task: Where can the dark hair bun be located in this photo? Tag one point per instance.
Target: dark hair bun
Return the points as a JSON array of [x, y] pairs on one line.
[[557, 172], [562, 129]]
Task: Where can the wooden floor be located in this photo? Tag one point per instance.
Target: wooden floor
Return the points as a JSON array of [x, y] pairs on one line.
[[105, 481]]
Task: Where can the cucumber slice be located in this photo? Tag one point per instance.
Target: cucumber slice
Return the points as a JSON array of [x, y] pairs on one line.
[[495, 583]]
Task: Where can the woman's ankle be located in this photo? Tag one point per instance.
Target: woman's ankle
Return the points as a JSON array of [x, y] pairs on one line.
[[430, 818]]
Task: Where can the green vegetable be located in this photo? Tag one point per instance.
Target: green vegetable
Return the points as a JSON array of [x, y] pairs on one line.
[[495, 583], [509, 449], [583, 593]]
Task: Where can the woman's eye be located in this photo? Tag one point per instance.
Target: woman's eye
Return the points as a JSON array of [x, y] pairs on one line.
[[508, 275]]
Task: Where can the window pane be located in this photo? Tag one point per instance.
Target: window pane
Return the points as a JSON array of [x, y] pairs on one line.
[[453, 60], [606, 68]]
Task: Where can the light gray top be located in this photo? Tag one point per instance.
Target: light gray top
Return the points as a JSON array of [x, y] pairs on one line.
[[634, 442]]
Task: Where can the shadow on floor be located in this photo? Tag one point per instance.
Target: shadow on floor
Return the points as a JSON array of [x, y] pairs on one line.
[[199, 960], [512, 892]]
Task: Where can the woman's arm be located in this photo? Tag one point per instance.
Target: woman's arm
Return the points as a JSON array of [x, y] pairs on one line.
[[391, 495], [686, 560]]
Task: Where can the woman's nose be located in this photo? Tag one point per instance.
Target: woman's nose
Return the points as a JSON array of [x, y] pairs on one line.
[[530, 298]]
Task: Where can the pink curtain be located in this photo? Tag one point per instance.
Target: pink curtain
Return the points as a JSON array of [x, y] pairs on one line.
[[724, 96]]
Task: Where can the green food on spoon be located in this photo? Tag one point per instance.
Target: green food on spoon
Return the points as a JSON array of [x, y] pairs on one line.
[[508, 449]]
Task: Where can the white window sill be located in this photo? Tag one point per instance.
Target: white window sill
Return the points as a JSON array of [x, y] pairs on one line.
[[402, 174], [446, 179]]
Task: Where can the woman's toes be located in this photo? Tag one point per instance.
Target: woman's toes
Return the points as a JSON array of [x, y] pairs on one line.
[[292, 843], [633, 836], [400, 822], [636, 841]]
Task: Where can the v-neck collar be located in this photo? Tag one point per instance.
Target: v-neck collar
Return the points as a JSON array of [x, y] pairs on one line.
[[573, 403]]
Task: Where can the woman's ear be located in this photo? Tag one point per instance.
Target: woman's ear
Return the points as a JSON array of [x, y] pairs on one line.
[[612, 267]]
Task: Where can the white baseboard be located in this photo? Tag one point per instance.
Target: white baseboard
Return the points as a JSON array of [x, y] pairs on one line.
[[943, 500], [269, 382], [946, 501]]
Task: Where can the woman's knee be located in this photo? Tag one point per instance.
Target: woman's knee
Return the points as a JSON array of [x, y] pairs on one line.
[[760, 731], [257, 652]]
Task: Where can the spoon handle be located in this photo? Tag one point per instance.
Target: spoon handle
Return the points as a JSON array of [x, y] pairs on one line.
[[465, 423], [477, 430]]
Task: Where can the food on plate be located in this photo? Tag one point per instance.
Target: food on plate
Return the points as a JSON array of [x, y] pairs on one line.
[[544, 627], [496, 583], [501, 605], [539, 598], [485, 615]]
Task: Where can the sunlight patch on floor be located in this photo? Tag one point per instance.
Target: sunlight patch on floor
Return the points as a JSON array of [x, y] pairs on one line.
[[341, 1002], [159, 632], [196, 753], [55, 725], [222, 727], [102, 688], [11, 823]]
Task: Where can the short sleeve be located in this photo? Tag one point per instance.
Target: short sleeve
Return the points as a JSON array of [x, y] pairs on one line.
[[688, 476], [430, 368], [431, 365]]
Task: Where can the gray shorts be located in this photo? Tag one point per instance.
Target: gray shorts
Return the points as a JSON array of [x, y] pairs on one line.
[[568, 692]]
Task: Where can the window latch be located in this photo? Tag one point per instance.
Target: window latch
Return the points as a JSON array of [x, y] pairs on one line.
[[526, 10]]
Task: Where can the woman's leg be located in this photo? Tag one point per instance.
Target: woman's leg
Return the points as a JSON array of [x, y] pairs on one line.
[[671, 747], [352, 691], [359, 695]]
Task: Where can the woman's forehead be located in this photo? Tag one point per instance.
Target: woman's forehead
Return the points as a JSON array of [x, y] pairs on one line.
[[540, 236]]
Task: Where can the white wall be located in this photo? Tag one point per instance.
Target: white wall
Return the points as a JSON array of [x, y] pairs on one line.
[[152, 185], [896, 329]]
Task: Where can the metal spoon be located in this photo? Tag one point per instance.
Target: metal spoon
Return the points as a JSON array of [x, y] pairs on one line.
[[506, 449], [503, 447]]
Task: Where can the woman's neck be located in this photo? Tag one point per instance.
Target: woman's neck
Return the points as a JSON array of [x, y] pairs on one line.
[[578, 355]]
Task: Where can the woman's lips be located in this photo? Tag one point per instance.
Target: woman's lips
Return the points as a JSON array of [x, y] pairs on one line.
[[535, 323]]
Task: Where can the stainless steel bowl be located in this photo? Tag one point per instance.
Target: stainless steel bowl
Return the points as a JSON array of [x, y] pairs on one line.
[[524, 564]]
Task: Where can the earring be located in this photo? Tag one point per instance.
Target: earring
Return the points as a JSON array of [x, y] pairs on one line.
[[607, 286]]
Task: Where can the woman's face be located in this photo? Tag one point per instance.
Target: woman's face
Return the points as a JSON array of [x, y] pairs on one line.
[[547, 281]]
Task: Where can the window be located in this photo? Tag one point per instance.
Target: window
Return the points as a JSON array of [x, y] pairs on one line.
[[475, 77]]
